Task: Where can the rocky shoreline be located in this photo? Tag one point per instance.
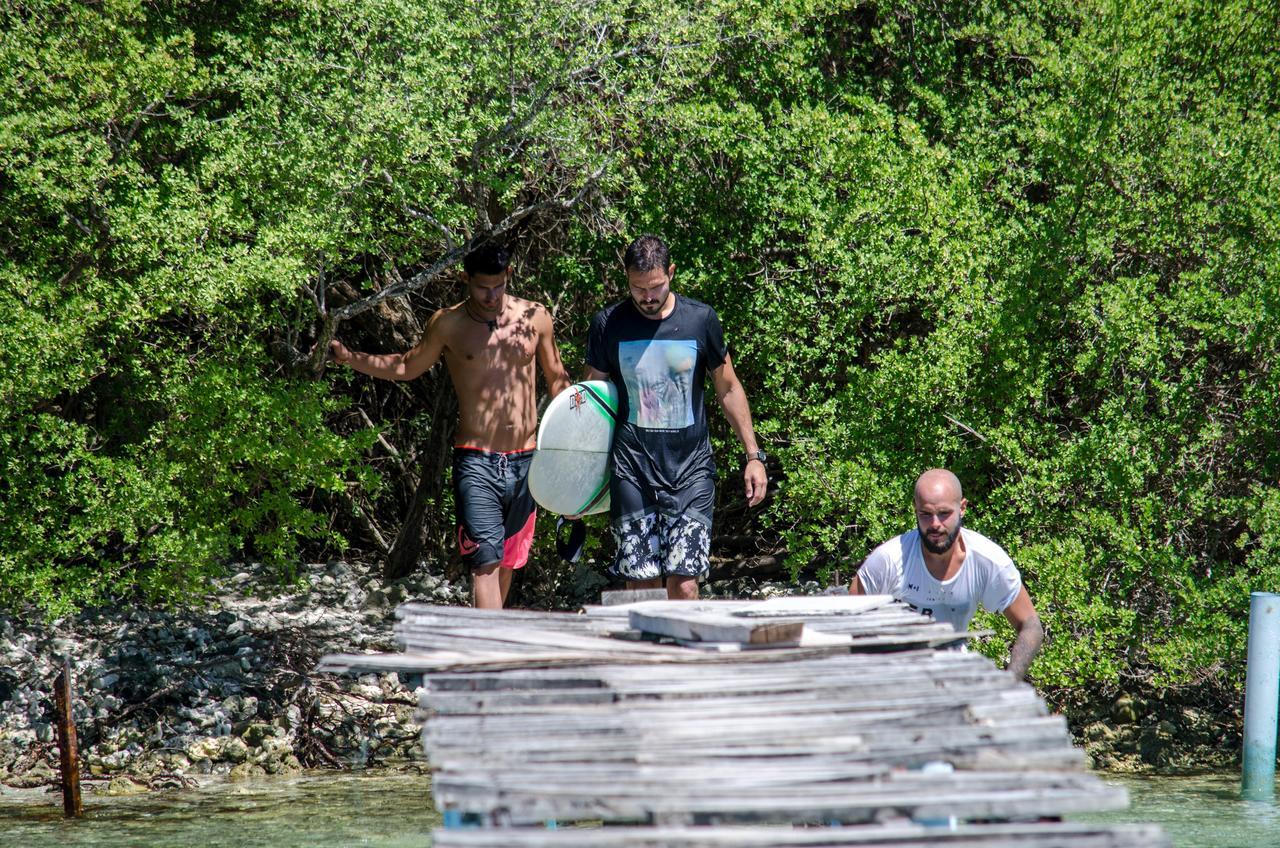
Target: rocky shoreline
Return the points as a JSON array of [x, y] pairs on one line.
[[226, 690], [165, 698]]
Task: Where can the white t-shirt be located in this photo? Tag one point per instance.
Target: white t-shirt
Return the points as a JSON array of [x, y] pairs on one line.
[[987, 576]]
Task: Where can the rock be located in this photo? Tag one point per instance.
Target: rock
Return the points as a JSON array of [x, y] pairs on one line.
[[1153, 744], [8, 682], [1099, 732], [245, 771], [205, 749], [1125, 710], [175, 761], [39, 774], [125, 786], [255, 734], [235, 750]]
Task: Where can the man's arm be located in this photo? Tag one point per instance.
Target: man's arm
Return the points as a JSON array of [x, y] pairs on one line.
[[593, 374], [855, 588], [733, 399], [396, 366], [549, 354], [1030, 634]]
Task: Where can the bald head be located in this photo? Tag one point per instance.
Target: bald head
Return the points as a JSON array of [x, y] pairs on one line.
[[939, 509], [938, 484]]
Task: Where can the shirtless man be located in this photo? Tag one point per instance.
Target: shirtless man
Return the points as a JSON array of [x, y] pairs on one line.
[[946, 570], [489, 343]]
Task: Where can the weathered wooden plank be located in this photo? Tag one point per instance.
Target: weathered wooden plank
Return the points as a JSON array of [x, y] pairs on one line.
[[817, 605], [699, 626], [880, 703], [895, 835], [568, 719], [618, 597], [1008, 748], [977, 795], [526, 636], [847, 678]]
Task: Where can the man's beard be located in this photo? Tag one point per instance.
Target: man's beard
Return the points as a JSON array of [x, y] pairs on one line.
[[946, 544], [649, 308]]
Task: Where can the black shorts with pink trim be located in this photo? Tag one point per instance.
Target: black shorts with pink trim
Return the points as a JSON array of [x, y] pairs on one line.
[[494, 508]]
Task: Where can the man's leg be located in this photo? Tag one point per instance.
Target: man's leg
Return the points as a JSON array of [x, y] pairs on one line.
[[478, 500], [504, 582], [519, 515], [634, 524], [681, 588], [684, 528], [487, 591]]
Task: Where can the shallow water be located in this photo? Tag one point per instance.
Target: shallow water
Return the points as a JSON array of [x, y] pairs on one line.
[[394, 811], [1197, 812], [320, 810]]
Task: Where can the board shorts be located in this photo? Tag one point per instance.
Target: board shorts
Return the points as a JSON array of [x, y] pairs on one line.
[[495, 511], [660, 533]]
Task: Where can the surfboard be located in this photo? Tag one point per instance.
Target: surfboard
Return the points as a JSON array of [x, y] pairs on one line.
[[570, 471]]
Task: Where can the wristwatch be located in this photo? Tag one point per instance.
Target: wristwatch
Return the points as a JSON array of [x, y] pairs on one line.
[[758, 454]]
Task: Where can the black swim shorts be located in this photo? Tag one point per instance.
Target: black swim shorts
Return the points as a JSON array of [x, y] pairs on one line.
[[494, 508], [660, 533]]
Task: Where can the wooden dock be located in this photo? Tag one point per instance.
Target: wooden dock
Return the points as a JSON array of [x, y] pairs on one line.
[[798, 721]]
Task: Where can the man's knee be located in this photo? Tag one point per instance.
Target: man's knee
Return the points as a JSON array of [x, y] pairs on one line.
[[480, 572]]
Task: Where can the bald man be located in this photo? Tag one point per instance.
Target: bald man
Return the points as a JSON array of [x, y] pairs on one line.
[[945, 571]]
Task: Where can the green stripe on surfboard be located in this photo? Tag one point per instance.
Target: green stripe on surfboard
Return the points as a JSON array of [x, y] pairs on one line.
[[594, 499], [601, 405]]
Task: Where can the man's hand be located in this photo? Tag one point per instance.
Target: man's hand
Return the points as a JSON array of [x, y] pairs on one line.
[[755, 482], [338, 352]]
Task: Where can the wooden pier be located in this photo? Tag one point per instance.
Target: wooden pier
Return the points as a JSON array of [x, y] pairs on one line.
[[826, 721]]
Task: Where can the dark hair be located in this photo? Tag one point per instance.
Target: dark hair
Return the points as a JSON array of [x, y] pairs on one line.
[[488, 258], [645, 254]]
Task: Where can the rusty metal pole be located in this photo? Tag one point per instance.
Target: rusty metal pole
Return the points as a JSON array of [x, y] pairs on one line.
[[67, 742]]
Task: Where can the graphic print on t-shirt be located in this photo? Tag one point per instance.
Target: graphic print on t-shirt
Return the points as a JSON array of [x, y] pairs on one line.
[[659, 379]]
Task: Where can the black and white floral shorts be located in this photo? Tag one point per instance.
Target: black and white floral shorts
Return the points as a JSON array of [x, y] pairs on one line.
[[661, 533]]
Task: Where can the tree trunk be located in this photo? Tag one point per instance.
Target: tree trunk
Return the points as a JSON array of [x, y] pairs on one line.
[[426, 527], [406, 551]]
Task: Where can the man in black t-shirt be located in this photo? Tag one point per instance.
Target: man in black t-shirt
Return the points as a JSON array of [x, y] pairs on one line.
[[657, 348]]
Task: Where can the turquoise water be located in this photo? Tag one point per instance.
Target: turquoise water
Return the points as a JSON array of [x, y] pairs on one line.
[[394, 811], [320, 810], [1197, 812]]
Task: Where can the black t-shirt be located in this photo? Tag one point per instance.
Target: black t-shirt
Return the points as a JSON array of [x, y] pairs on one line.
[[659, 367]]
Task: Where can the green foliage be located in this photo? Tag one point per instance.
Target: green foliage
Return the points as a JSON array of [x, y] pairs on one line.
[[1035, 243]]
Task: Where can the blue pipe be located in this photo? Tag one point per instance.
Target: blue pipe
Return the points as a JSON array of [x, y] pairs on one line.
[[1261, 697]]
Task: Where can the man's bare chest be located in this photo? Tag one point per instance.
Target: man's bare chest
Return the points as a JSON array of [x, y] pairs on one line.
[[475, 350]]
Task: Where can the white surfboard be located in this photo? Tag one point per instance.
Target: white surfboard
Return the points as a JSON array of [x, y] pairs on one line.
[[570, 471]]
